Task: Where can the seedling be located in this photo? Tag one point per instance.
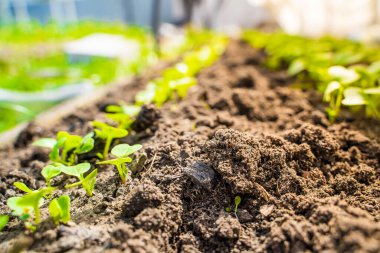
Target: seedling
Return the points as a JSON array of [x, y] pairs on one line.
[[88, 182], [59, 209], [30, 202], [108, 133], [50, 172], [122, 152], [3, 221], [237, 203], [66, 147], [123, 115]]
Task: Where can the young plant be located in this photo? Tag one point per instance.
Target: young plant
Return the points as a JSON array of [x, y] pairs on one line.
[[59, 209], [3, 221], [108, 133], [88, 182], [50, 172], [66, 147], [237, 203], [122, 152], [123, 115], [23, 206]]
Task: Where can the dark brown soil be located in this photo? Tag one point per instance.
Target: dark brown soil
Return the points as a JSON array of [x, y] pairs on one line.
[[306, 185]]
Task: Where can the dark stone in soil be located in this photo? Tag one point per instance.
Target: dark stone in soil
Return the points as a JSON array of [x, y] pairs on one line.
[[201, 174]]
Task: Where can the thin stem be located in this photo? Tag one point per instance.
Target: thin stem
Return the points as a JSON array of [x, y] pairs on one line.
[[73, 185], [121, 172], [107, 147], [37, 214]]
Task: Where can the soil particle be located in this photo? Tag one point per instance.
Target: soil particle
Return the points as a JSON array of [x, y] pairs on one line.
[[228, 227]]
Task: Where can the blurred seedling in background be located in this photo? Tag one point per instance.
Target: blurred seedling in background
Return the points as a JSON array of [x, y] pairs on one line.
[[50, 171], [107, 133], [30, 203], [3, 221], [237, 203], [66, 147], [88, 182], [59, 209], [122, 152], [122, 114]]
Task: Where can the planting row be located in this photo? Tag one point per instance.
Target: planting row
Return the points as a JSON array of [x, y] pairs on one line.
[[346, 72], [77, 156]]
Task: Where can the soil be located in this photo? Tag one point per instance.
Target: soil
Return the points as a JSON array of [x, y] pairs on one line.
[[306, 185]]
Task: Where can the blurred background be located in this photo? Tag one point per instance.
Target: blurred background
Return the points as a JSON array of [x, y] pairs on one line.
[[52, 50]]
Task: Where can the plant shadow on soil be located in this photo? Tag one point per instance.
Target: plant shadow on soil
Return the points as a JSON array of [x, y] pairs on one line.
[[306, 185]]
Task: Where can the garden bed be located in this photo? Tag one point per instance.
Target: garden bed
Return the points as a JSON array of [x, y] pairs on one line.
[[306, 185]]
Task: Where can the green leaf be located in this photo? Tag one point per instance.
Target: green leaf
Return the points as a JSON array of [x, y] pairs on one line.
[[331, 87], [131, 110], [3, 221], [12, 203], [342, 74], [50, 171], [77, 170], [353, 96], [117, 161], [89, 182], [59, 209], [296, 67], [372, 91], [45, 143], [237, 203], [123, 150], [22, 187], [374, 68], [146, 96], [87, 144]]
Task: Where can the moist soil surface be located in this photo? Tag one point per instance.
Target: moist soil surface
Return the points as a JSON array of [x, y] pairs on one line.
[[306, 185]]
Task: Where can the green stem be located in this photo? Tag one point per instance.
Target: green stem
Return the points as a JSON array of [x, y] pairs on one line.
[[121, 172], [107, 148], [338, 103], [74, 184], [37, 214]]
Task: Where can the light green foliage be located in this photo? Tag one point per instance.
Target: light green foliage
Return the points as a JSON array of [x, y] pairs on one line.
[[237, 203], [122, 153], [59, 209], [107, 133], [3, 221], [66, 147], [342, 70], [78, 171], [176, 81], [49, 172], [124, 115], [24, 206]]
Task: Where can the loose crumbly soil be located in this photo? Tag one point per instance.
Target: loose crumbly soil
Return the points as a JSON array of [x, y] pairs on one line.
[[306, 185]]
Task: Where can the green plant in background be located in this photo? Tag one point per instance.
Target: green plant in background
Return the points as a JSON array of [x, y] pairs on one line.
[[24, 206], [50, 171], [122, 153], [87, 182], [107, 133], [123, 114], [66, 147], [59, 209], [346, 72], [3, 221]]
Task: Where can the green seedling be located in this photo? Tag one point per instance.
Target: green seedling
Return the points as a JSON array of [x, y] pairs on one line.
[[3, 221], [66, 147], [237, 203], [59, 209], [88, 182], [181, 86], [146, 96], [108, 133], [123, 115], [50, 172], [23, 206], [122, 152]]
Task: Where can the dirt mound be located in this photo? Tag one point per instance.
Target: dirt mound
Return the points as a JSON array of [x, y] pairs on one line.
[[305, 185]]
